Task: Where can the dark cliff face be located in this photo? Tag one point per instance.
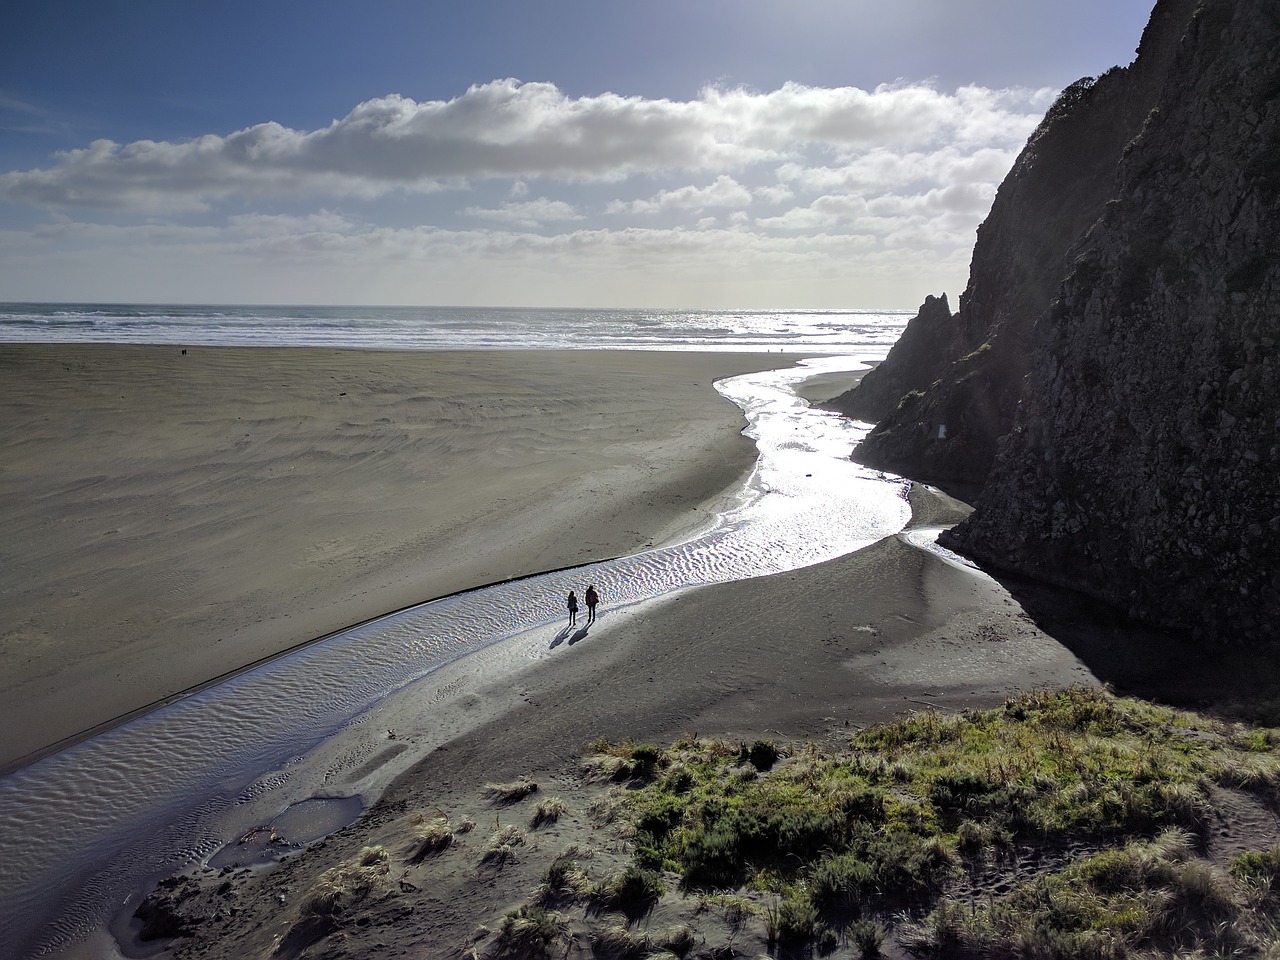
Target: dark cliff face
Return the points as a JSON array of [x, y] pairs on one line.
[[1058, 187], [1143, 465]]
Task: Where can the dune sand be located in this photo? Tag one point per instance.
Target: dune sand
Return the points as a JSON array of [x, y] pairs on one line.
[[170, 516]]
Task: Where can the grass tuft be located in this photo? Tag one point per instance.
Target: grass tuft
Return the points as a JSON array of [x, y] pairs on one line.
[[532, 932], [679, 940], [502, 845], [430, 837], [343, 888], [548, 811], [634, 891], [616, 942], [504, 794], [563, 879]]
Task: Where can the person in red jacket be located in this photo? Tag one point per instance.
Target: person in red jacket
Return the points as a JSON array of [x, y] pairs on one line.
[[592, 599]]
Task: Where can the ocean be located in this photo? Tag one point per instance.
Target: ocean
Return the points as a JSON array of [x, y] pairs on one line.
[[456, 328]]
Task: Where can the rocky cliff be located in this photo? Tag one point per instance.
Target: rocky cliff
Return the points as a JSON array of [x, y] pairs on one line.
[[1143, 464], [1111, 375], [1058, 187]]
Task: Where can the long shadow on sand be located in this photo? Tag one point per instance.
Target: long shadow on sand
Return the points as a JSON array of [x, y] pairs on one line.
[[1172, 667], [568, 633]]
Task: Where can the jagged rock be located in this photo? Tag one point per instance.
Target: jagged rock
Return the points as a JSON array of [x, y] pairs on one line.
[[1143, 465], [920, 357]]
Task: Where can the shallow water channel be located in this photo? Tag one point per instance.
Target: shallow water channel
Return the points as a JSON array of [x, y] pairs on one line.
[[82, 830]]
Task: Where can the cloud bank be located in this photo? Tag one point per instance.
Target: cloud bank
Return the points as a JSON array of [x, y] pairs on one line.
[[508, 129], [843, 196]]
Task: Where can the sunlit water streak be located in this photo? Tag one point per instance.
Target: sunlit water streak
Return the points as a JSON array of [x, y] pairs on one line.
[[82, 829]]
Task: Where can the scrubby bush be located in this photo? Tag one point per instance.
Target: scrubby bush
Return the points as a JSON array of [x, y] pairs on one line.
[[880, 828]]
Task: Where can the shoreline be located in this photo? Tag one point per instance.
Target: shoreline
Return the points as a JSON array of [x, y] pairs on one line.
[[178, 518]]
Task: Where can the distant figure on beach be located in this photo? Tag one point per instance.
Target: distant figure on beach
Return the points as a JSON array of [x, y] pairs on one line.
[[572, 604], [592, 599]]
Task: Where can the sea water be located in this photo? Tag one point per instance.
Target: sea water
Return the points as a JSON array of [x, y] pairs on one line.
[[421, 328], [82, 829]]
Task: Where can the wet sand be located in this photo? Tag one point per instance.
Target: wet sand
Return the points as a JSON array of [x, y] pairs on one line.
[[169, 517]]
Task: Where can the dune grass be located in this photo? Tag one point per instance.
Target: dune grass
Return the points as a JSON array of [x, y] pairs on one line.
[[338, 898], [503, 844], [547, 812], [531, 932], [916, 810], [342, 889], [505, 794]]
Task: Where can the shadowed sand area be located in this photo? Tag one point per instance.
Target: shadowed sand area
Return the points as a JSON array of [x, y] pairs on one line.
[[169, 517]]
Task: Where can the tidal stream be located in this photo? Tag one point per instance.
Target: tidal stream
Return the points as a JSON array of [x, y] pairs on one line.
[[83, 830]]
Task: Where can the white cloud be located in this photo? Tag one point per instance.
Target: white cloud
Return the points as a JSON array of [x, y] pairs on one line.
[[724, 192], [872, 192], [971, 199], [823, 213], [521, 130], [777, 193], [531, 213]]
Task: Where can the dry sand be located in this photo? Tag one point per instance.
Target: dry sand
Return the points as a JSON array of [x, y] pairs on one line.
[[169, 517]]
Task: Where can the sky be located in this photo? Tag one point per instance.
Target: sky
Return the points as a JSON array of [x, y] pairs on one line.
[[742, 154]]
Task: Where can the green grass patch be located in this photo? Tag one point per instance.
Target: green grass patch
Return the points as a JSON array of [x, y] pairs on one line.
[[892, 825]]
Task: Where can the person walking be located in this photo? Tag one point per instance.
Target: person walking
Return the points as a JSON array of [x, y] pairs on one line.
[[572, 604], [592, 599]]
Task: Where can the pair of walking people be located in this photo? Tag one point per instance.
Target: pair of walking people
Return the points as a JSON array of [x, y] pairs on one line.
[[591, 598]]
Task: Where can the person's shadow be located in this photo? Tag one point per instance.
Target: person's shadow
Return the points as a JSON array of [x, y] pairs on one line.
[[579, 635]]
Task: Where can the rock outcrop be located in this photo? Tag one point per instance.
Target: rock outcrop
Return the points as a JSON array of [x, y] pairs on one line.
[[921, 356], [1140, 460], [1057, 188]]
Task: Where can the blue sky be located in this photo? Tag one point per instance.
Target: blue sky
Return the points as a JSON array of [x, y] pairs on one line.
[[701, 153]]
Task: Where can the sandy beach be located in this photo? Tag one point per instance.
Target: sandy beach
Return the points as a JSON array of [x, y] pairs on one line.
[[170, 516], [180, 516]]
